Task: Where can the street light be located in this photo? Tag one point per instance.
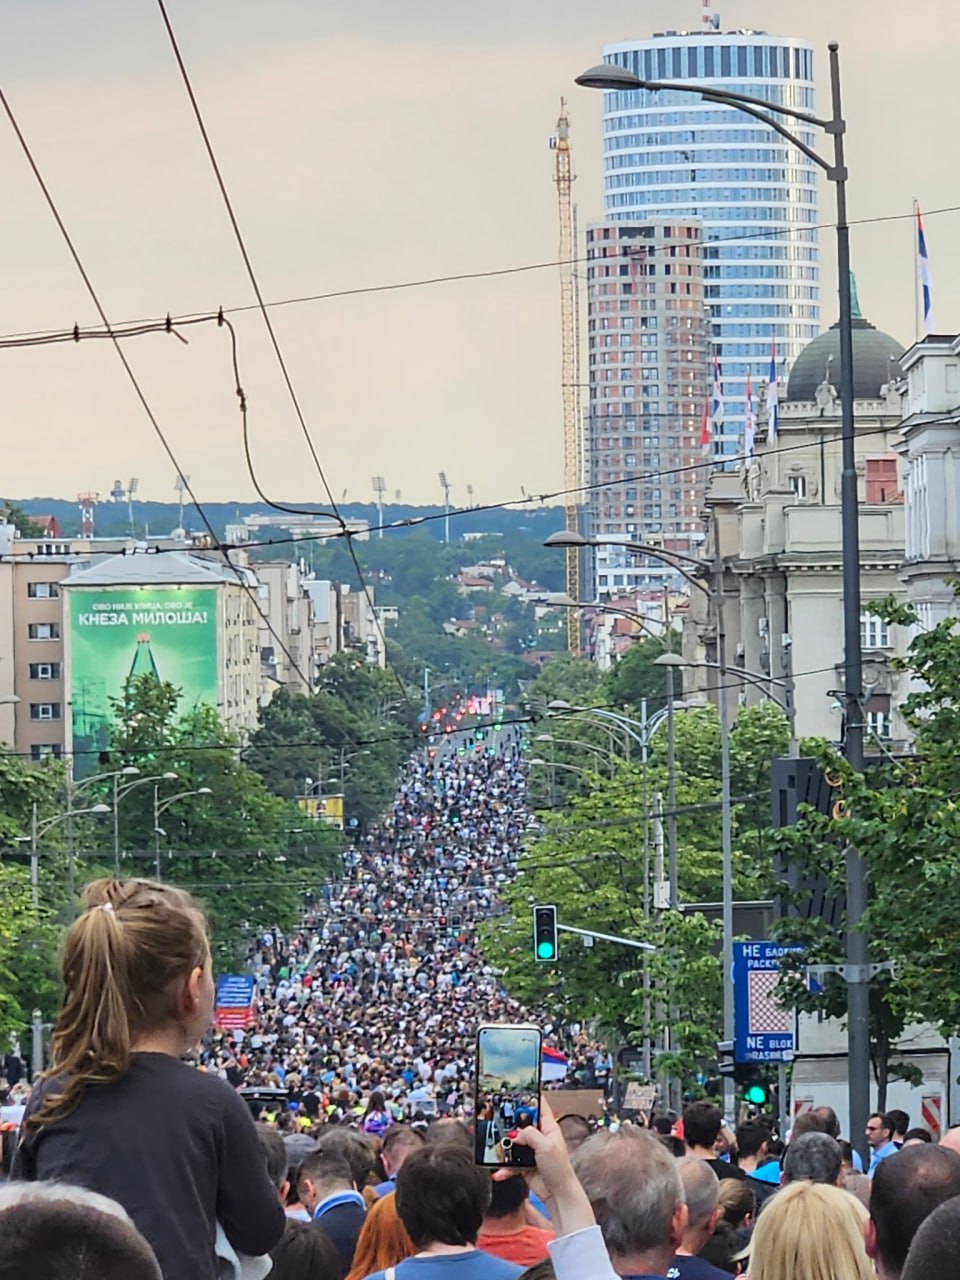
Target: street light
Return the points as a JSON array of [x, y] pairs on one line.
[[617, 78], [121, 792], [37, 829], [609, 755], [671, 661], [159, 808]]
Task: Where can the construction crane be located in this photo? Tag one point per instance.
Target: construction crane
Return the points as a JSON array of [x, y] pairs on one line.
[[564, 178]]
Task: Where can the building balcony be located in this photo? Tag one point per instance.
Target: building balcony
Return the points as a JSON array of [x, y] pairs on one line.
[[807, 531]]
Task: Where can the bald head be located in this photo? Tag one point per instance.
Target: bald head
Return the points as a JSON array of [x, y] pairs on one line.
[[951, 1139], [701, 1187]]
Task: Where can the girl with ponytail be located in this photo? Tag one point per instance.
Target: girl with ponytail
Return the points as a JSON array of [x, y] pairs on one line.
[[118, 1112]]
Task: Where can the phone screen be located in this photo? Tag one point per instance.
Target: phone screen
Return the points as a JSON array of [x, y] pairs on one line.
[[508, 1093]]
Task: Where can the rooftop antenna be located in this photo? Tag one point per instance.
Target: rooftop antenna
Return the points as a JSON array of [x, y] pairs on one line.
[[709, 20]]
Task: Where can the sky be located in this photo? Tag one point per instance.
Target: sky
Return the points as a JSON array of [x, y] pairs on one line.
[[367, 143]]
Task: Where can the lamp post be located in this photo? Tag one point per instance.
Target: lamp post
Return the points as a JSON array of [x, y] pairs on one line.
[[608, 755], [37, 829], [159, 808], [120, 792], [712, 571], [617, 78]]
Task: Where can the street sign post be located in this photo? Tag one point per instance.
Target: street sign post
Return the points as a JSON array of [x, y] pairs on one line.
[[765, 1031]]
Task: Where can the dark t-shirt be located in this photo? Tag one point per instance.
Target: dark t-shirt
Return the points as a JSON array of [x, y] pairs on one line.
[[177, 1148], [724, 1169], [690, 1268]]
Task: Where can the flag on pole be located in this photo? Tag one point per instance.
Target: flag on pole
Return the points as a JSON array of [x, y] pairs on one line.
[[923, 263], [705, 438], [716, 407], [773, 399], [749, 423]]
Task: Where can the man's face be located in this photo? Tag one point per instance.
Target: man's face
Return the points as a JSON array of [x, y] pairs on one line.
[[877, 1135]]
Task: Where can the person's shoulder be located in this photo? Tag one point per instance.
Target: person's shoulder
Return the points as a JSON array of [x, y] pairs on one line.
[[692, 1268]]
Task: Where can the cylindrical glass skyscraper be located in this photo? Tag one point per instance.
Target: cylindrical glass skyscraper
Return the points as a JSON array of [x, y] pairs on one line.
[[671, 153]]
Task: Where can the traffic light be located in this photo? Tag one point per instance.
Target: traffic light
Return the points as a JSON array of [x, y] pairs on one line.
[[725, 1064], [749, 1077], [545, 946]]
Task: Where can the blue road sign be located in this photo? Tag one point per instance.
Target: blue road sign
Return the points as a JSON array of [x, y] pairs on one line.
[[764, 1031]]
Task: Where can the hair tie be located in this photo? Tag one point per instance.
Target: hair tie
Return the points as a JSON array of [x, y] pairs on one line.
[[106, 906]]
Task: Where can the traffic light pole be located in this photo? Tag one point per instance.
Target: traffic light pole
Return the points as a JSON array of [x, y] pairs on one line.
[[607, 937]]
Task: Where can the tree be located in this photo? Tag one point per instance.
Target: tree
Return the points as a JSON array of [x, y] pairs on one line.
[[26, 527], [902, 816], [635, 679]]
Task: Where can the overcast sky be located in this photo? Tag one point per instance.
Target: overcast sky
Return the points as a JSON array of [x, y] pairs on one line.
[[367, 142]]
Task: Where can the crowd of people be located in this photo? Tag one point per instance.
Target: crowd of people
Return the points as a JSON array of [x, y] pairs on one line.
[[133, 1164]]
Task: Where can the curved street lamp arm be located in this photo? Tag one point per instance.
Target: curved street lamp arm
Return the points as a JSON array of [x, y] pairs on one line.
[[738, 99]]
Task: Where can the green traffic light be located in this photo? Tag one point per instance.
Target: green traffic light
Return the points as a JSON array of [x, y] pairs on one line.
[[545, 950], [756, 1095]]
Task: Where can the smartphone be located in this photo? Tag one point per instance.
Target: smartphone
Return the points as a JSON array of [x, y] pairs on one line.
[[507, 1097]]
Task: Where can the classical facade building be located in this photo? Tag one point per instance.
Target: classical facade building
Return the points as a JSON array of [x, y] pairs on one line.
[[779, 529]]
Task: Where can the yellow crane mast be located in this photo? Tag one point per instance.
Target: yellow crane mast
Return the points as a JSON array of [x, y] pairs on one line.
[[564, 178]]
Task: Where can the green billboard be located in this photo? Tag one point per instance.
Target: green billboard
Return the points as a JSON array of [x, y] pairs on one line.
[[118, 632]]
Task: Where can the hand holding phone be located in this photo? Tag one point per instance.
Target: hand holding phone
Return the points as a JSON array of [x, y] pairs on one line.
[[507, 1099]]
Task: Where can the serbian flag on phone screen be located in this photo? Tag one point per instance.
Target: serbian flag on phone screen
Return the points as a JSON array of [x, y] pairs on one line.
[[553, 1065]]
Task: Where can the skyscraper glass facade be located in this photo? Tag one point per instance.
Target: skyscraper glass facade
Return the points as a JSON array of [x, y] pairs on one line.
[[669, 153]]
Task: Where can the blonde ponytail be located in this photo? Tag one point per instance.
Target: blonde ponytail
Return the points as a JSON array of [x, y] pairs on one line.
[[133, 940]]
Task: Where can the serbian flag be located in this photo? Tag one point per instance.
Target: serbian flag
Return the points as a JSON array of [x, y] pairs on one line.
[[553, 1065], [749, 423], [923, 265], [773, 399], [705, 438], [716, 406]]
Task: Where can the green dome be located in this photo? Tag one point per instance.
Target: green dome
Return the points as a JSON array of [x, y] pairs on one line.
[[875, 357]]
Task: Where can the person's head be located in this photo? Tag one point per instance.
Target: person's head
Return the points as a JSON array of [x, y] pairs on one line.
[[449, 1131], [377, 1102], [383, 1241], [442, 1195], [662, 1124], [68, 1233], [304, 1253], [752, 1139], [809, 1122], [135, 961], [701, 1125], [879, 1129], [540, 1271], [830, 1119], [634, 1186], [701, 1190], [915, 1136], [813, 1157], [353, 1147], [901, 1123], [399, 1141], [936, 1246], [906, 1189], [508, 1202], [737, 1203], [575, 1130], [811, 1230], [951, 1139], [274, 1152], [321, 1175]]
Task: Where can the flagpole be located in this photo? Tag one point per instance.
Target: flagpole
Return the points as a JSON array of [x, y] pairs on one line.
[[916, 269]]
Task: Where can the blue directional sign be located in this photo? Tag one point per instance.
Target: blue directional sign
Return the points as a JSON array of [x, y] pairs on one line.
[[764, 1031]]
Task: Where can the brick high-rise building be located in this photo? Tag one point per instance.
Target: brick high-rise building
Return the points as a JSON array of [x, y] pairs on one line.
[[649, 374]]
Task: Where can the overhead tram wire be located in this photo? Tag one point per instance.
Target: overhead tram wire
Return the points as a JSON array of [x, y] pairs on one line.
[[141, 396], [491, 273], [261, 306]]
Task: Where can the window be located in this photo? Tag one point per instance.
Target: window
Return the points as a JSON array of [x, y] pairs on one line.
[[44, 710], [41, 750], [43, 590], [874, 632], [798, 486], [44, 670], [879, 718], [880, 475], [44, 630]]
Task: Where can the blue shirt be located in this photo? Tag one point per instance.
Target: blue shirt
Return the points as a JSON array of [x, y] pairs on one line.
[[472, 1265], [339, 1197], [881, 1153]]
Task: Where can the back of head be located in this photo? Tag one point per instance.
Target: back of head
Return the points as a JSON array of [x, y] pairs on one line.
[[575, 1130], [751, 1137], [809, 1122], [936, 1246], [274, 1152], [701, 1124], [305, 1252], [830, 1119], [813, 1157], [905, 1194], [507, 1195], [328, 1171], [68, 1233], [900, 1121], [383, 1241], [442, 1195], [449, 1131], [701, 1189], [353, 1147], [634, 1185], [737, 1201], [120, 959], [812, 1231], [400, 1137]]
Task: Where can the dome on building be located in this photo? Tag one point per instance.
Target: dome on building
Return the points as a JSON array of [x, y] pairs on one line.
[[874, 362]]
